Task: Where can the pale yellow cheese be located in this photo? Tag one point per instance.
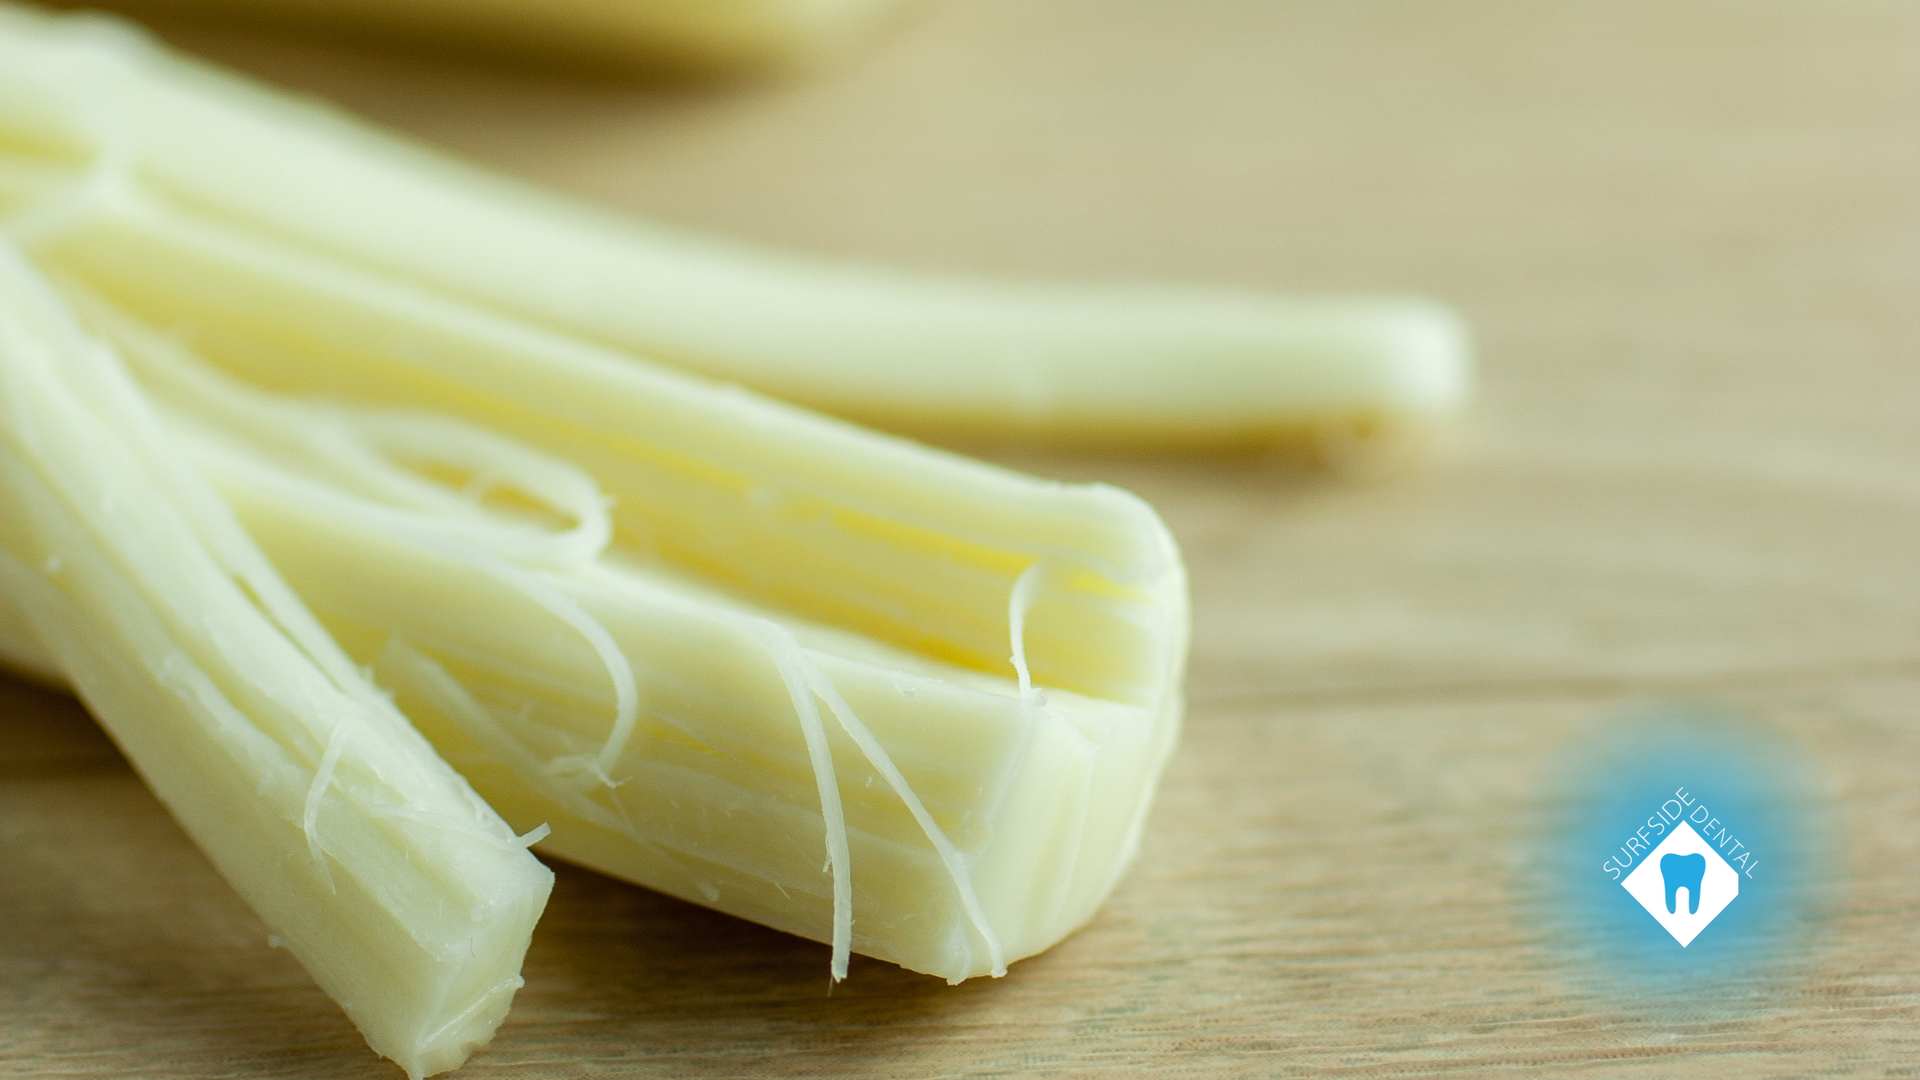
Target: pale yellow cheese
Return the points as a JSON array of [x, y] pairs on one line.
[[408, 899], [920, 571], [833, 681]]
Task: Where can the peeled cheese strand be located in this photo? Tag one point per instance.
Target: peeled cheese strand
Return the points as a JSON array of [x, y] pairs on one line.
[[256, 731], [322, 779], [786, 657], [409, 667], [1019, 602]]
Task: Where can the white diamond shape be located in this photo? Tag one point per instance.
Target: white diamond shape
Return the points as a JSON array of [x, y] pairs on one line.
[[1718, 886]]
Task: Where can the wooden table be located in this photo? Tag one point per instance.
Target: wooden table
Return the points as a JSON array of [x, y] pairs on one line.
[[1688, 236]]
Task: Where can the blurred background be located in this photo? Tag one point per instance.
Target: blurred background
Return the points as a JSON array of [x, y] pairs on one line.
[[1687, 236]]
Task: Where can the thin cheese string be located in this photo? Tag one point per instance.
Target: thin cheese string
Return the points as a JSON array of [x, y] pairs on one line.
[[787, 657], [950, 856], [1026, 588], [310, 816], [408, 667]]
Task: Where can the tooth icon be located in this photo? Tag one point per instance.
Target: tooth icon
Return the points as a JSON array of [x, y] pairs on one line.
[[1683, 860], [1683, 871]]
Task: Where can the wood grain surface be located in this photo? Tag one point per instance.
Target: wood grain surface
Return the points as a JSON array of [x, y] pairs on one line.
[[1688, 237]]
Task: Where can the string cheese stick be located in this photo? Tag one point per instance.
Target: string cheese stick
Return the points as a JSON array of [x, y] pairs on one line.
[[940, 356], [405, 896]]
